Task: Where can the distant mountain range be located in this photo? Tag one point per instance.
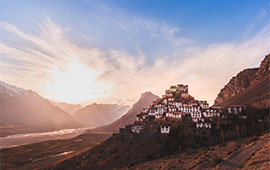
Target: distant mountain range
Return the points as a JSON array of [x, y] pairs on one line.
[[95, 114], [26, 109], [250, 86], [69, 108], [145, 100]]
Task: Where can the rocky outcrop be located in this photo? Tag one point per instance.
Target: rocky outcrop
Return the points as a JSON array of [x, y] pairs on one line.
[[237, 84], [247, 80], [263, 70]]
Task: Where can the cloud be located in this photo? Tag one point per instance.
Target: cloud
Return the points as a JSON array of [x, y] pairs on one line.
[[160, 30], [169, 34], [115, 17], [262, 17], [204, 69]]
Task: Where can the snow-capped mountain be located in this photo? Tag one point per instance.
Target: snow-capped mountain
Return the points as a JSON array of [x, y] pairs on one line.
[[9, 91]]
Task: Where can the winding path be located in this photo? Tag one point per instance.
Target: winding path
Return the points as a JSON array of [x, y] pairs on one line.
[[238, 158]]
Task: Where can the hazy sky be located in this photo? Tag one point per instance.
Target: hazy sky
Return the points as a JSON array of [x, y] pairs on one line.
[[81, 51]]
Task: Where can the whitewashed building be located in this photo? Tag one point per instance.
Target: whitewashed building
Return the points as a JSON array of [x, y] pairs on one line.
[[165, 129], [237, 108], [211, 113], [203, 125], [172, 108], [136, 129], [189, 109], [177, 104], [196, 114], [203, 104], [168, 93], [158, 116], [184, 94], [170, 99], [182, 88], [141, 117], [155, 110], [174, 115]]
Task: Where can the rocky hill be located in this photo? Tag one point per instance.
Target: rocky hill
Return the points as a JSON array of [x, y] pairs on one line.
[[250, 86], [145, 100], [236, 85], [95, 115], [263, 70]]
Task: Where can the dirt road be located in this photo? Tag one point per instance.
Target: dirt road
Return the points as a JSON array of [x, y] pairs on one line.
[[237, 159]]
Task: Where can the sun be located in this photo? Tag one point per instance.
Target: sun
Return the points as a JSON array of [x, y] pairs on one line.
[[76, 83]]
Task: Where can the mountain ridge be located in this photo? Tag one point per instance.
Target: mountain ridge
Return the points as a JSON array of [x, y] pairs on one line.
[[94, 114], [67, 107], [26, 109], [250, 86]]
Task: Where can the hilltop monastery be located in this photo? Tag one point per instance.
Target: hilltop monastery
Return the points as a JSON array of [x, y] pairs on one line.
[[173, 106]]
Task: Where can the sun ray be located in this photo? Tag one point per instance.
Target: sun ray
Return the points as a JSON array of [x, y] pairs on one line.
[[76, 83]]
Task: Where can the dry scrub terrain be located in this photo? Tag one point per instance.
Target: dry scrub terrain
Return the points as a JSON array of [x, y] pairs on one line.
[[253, 151]]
